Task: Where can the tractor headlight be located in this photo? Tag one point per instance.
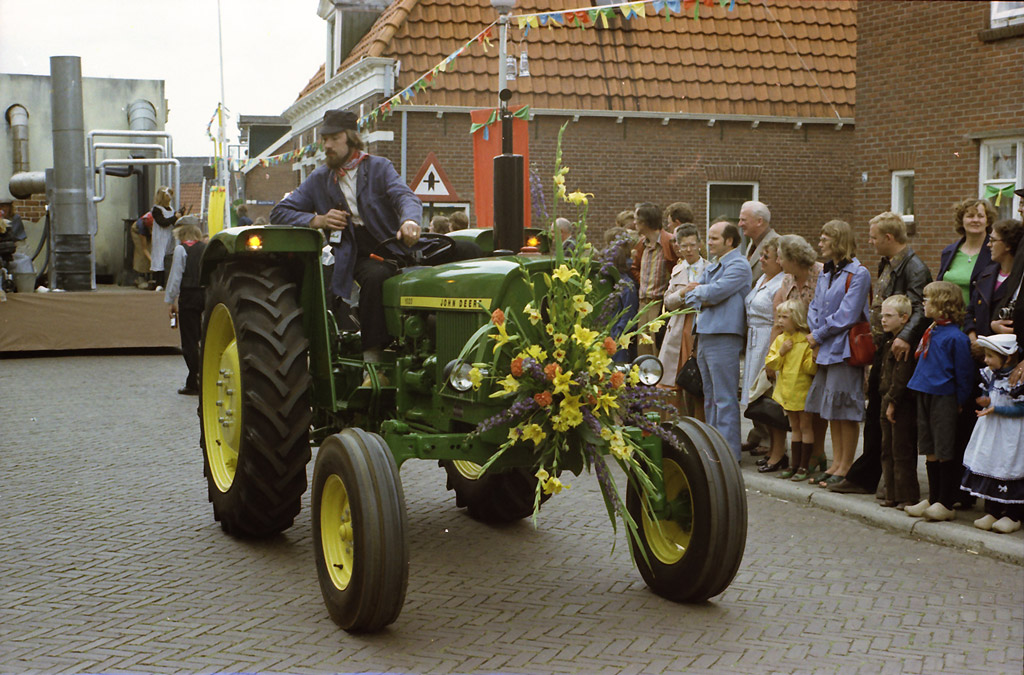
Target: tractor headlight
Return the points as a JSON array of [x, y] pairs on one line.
[[458, 376], [651, 369]]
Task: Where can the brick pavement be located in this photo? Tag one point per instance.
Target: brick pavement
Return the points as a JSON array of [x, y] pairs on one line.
[[112, 563]]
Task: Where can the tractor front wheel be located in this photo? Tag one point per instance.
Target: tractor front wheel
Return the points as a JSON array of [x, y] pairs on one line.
[[254, 398], [359, 531], [491, 497], [693, 555]]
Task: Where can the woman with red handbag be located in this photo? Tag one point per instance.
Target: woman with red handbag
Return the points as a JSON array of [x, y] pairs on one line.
[[841, 300]]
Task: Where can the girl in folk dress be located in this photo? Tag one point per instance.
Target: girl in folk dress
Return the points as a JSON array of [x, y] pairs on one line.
[[995, 454], [792, 358]]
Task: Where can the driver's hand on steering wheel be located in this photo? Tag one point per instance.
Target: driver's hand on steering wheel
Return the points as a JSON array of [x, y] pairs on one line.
[[409, 233]]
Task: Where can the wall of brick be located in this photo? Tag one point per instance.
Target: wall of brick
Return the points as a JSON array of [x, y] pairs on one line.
[[33, 208], [925, 81], [805, 175]]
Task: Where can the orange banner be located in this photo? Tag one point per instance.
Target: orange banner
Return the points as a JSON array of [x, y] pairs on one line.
[[486, 145]]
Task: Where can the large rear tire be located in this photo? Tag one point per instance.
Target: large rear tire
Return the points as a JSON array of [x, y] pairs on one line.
[[694, 556], [492, 497], [359, 531], [254, 398]]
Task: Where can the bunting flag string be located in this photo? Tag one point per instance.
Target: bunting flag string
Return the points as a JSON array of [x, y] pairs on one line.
[[523, 114], [583, 18], [995, 192]]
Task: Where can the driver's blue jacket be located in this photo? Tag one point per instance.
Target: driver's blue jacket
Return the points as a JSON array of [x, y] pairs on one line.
[[384, 203]]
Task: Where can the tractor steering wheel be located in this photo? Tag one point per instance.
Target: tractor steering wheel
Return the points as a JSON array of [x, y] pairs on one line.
[[424, 252]]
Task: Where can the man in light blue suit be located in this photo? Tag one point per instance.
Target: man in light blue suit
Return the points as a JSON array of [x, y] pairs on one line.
[[721, 325]]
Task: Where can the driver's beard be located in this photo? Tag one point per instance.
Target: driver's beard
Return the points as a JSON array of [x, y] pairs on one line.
[[334, 162]]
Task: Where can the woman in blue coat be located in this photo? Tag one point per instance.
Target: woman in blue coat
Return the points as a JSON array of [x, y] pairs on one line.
[[840, 301]]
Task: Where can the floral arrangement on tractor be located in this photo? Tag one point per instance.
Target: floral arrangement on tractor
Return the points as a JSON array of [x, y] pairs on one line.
[[553, 361]]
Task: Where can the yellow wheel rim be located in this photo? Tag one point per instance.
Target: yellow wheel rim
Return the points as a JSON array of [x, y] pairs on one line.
[[667, 539], [469, 470], [336, 538], [222, 398]]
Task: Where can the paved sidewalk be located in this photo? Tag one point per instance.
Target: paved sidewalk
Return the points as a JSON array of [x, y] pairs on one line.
[[959, 533]]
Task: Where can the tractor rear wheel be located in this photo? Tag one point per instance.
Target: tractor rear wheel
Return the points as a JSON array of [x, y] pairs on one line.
[[492, 497], [359, 531], [693, 556], [254, 398]]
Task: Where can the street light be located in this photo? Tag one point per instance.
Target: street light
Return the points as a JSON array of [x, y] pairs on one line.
[[504, 8]]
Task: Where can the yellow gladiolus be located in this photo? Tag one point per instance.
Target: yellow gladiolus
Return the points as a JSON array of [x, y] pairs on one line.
[[634, 376], [562, 382], [542, 475], [580, 304], [552, 486], [509, 385], [578, 197], [500, 339], [655, 325], [606, 402], [535, 352], [532, 314], [559, 354], [559, 339], [564, 273], [645, 338], [587, 286], [476, 377], [584, 336], [534, 432]]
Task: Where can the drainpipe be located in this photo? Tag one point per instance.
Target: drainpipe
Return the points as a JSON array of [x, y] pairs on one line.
[[72, 250], [17, 117]]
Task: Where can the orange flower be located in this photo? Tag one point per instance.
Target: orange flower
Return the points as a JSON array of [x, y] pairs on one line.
[[543, 399], [617, 379], [517, 368], [610, 346], [551, 370], [498, 317]]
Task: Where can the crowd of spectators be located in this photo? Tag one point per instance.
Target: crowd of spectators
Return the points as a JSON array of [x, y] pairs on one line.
[[946, 379]]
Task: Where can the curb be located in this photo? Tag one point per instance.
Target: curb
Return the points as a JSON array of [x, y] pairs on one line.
[[959, 533]]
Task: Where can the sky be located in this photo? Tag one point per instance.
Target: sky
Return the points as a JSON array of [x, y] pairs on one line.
[[271, 50]]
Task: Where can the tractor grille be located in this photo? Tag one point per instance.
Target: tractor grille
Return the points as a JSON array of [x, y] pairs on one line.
[[453, 330]]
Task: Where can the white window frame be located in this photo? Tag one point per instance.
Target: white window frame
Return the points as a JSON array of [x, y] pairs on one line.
[[985, 159], [707, 198], [1001, 16], [895, 204]]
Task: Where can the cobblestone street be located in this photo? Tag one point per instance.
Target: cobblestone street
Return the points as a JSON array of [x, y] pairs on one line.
[[112, 562]]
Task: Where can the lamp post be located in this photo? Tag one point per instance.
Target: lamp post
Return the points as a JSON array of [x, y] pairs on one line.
[[504, 8], [508, 167]]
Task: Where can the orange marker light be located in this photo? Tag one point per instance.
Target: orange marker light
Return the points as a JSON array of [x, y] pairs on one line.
[[254, 242]]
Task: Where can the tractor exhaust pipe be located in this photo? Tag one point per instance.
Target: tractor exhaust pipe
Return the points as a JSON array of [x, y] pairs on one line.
[[508, 187]]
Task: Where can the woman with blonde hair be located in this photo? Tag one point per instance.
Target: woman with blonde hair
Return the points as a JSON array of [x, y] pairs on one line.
[[164, 218], [840, 301]]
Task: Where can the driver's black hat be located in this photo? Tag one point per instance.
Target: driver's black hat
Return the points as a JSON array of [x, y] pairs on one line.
[[338, 120]]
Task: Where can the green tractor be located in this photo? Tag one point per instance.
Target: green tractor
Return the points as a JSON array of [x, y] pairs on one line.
[[279, 377]]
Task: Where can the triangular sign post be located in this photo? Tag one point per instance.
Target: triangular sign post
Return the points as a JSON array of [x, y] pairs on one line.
[[431, 184]]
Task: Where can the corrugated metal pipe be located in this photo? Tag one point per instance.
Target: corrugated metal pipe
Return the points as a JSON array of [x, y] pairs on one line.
[[72, 243], [17, 117], [141, 117]]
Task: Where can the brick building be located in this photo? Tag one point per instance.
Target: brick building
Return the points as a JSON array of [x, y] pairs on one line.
[[756, 102], [940, 112]]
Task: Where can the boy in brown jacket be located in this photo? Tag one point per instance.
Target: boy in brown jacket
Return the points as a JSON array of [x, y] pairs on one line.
[[899, 410]]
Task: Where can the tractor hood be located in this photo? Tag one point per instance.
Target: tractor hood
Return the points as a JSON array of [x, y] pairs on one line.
[[472, 286]]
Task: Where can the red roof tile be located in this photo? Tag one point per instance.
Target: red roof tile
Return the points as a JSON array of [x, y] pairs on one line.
[[759, 47]]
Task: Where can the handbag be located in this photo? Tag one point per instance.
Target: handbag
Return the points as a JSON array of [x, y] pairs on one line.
[[762, 407], [688, 378], [862, 343]]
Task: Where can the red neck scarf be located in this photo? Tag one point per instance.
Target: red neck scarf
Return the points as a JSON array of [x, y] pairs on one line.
[[922, 348], [350, 166]]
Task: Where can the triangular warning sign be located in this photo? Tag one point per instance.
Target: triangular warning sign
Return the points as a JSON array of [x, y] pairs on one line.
[[431, 184]]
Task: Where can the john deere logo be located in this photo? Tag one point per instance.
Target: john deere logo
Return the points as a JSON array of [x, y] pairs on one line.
[[467, 304]]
